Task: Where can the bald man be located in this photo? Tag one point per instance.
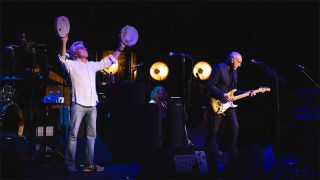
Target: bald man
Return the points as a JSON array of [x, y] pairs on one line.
[[223, 79]]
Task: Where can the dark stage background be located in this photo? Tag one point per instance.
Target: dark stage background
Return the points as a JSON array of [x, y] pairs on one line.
[[280, 34]]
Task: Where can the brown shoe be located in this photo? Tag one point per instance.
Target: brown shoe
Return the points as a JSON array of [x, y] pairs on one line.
[[99, 168], [92, 168]]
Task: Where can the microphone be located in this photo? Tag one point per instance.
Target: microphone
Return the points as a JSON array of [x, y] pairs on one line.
[[300, 66], [177, 54], [137, 66], [256, 62]]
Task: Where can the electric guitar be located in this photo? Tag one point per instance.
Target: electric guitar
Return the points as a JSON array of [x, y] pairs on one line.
[[220, 107]]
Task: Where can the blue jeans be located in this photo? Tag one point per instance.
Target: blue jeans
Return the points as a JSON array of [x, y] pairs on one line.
[[89, 114]]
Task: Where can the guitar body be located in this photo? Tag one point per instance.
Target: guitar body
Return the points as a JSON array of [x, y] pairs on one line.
[[220, 107]]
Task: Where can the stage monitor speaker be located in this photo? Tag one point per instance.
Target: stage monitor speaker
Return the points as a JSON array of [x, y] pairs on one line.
[[187, 162], [257, 161]]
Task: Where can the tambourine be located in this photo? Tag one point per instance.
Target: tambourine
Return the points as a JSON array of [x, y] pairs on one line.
[[129, 35], [62, 26]]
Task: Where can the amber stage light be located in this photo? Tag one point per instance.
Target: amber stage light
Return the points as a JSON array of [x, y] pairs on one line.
[[113, 68], [203, 69], [159, 71]]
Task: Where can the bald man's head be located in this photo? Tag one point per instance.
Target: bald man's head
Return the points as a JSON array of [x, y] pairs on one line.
[[234, 59], [232, 55]]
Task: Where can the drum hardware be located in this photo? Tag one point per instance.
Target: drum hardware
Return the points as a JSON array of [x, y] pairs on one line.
[[11, 116], [49, 66], [7, 93], [11, 78], [44, 131]]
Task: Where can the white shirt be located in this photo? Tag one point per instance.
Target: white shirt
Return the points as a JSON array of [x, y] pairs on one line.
[[83, 78]]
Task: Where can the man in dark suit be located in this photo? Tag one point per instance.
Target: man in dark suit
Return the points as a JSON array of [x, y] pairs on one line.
[[223, 79]]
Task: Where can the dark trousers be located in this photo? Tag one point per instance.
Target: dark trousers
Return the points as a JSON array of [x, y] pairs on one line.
[[214, 123]]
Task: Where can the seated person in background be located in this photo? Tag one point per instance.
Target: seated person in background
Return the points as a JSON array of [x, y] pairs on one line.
[[159, 96]]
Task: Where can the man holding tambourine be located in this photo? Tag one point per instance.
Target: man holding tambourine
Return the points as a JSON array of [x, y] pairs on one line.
[[84, 96]]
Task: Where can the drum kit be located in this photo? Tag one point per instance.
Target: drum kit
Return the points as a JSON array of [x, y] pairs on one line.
[[7, 95]]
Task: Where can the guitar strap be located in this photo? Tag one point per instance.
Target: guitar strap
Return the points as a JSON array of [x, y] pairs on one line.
[[232, 80]]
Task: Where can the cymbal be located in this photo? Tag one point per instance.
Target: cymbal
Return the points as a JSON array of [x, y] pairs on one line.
[[13, 46], [49, 66], [11, 78]]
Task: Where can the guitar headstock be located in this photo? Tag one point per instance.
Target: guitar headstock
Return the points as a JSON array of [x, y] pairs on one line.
[[264, 89]]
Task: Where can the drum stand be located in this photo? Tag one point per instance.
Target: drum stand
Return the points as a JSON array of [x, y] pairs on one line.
[[42, 151]]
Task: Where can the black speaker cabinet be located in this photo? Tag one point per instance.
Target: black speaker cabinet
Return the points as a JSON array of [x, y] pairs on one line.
[[176, 125]]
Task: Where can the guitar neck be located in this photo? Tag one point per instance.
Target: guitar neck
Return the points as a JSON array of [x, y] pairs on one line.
[[244, 95]]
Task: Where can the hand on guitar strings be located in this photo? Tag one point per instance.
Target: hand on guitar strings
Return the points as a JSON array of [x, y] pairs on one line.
[[228, 97], [252, 93]]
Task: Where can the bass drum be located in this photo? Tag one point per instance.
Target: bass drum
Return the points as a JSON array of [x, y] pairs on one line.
[[11, 116]]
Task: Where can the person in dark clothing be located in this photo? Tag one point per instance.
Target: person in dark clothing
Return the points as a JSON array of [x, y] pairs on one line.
[[223, 79], [158, 96], [15, 149]]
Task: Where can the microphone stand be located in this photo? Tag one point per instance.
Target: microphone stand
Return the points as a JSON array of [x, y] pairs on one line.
[[309, 77], [272, 73], [184, 100], [134, 69]]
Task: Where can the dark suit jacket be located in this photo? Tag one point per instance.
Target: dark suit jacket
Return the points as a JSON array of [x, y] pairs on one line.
[[220, 81]]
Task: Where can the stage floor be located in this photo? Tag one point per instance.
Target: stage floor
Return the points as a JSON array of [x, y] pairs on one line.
[[290, 166]]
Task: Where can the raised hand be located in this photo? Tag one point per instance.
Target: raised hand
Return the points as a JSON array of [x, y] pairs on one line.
[[63, 50], [122, 45], [252, 93], [65, 39]]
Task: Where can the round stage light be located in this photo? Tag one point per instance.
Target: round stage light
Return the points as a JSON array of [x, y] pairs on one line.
[[159, 71], [113, 68], [203, 69]]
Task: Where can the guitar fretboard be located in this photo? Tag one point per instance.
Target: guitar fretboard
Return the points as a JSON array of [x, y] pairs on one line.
[[245, 95]]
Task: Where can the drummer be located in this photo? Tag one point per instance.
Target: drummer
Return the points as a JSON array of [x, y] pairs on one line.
[[8, 61], [23, 43], [26, 52]]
